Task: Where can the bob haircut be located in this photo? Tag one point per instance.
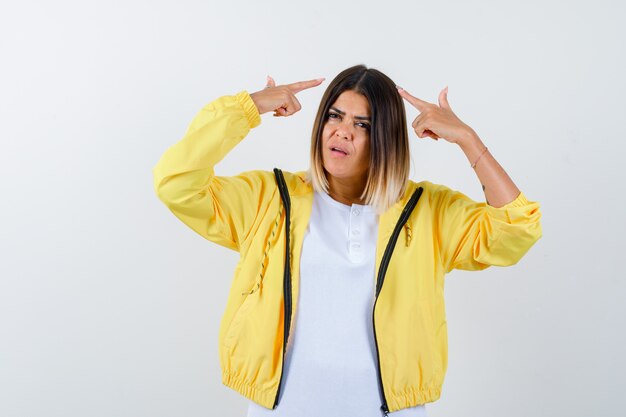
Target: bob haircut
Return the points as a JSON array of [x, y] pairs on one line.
[[389, 165]]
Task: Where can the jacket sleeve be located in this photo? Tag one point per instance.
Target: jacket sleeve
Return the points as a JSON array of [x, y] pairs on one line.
[[220, 209], [474, 235]]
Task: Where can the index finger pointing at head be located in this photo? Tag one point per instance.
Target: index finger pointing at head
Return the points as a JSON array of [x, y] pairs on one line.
[[416, 102], [303, 85]]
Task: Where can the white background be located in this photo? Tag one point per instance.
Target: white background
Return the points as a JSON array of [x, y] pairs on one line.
[[110, 306]]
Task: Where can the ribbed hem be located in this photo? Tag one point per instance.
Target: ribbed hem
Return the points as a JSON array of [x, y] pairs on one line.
[[265, 398], [260, 396], [411, 398], [252, 113]]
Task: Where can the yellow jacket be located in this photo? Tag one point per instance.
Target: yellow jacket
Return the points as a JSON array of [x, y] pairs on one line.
[[430, 231]]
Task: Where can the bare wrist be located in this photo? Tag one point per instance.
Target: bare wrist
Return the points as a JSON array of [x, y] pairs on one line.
[[473, 147]]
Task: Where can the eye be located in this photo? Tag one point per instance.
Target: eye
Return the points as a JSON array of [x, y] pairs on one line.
[[337, 116]]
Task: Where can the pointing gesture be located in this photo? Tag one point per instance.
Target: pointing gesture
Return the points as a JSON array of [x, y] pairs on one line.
[[281, 99], [437, 121]]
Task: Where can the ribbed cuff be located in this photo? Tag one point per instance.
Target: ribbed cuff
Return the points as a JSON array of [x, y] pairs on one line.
[[520, 210], [250, 109], [519, 201]]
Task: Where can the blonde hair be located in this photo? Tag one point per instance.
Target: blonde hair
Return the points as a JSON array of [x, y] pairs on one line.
[[389, 165]]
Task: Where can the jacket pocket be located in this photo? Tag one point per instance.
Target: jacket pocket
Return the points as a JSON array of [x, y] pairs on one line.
[[239, 318], [437, 338], [428, 325]]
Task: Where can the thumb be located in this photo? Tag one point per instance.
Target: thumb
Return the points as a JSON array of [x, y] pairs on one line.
[[443, 99], [270, 82]]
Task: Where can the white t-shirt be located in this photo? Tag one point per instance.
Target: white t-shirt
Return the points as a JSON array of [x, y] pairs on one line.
[[330, 361]]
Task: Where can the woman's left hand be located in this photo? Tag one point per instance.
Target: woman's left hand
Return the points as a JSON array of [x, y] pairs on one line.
[[438, 121]]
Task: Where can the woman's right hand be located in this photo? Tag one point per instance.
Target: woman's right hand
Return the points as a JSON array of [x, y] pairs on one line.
[[281, 99]]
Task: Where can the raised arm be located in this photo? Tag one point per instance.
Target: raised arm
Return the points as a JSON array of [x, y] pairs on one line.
[[221, 209], [475, 235]]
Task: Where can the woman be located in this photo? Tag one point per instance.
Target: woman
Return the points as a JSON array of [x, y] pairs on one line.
[[336, 305]]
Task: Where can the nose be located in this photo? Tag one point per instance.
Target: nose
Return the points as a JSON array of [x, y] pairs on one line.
[[344, 130]]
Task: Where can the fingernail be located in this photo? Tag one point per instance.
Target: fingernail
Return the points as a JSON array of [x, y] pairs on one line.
[[321, 79], [399, 88]]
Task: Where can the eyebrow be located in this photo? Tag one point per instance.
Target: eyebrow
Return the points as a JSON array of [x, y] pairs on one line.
[[343, 113]]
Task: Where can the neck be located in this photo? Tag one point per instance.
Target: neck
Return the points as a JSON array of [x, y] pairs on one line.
[[346, 191]]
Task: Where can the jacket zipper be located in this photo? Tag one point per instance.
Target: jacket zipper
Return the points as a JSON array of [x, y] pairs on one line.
[[404, 216], [284, 194]]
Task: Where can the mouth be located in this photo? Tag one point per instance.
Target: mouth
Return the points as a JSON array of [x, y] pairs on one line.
[[336, 150]]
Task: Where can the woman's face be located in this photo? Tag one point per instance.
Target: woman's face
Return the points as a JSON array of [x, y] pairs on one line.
[[347, 128]]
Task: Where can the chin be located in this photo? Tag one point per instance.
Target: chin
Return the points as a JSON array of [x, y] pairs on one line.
[[340, 168], [338, 172]]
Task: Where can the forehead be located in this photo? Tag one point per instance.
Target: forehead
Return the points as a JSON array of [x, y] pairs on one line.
[[352, 102]]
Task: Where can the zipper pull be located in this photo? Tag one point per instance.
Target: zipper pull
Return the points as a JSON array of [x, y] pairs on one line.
[[384, 409]]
